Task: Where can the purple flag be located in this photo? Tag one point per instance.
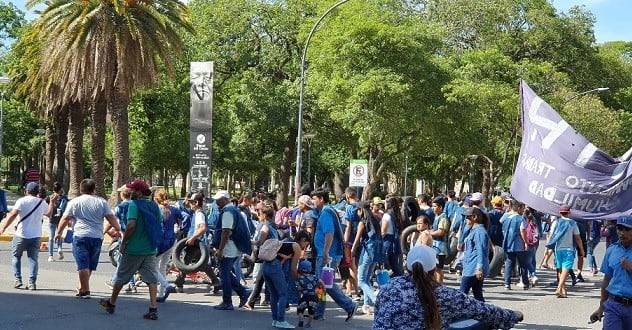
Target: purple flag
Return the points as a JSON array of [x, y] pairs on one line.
[[559, 166]]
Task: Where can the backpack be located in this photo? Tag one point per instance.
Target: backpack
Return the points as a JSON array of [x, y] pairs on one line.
[[373, 243], [533, 237], [153, 224], [240, 233], [282, 217], [251, 225]]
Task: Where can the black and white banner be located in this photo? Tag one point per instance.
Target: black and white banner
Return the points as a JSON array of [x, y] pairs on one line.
[[201, 126]]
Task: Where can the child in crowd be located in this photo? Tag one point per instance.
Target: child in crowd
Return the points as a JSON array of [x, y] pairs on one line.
[[307, 285]]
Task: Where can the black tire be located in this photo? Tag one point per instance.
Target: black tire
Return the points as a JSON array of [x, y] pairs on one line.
[[114, 252], [189, 258], [403, 240], [497, 261], [410, 210]]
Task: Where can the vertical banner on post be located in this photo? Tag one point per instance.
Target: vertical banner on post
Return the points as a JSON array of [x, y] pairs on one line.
[[201, 126], [359, 173]]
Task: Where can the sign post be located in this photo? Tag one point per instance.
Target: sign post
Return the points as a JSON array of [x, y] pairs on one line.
[[359, 173], [201, 126]]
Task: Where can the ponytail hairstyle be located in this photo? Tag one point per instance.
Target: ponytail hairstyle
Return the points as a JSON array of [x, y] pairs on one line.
[[425, 285], [160, 196], [392, 205]]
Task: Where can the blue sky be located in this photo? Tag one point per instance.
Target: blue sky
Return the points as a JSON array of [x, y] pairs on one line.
[[613, 16]]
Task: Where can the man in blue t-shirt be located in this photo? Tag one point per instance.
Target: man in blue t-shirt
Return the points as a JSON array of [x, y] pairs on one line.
[[329, 245]]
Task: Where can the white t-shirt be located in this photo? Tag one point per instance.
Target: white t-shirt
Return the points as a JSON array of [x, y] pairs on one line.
[[88, 212], [386, 218], [31, 227], [230, 250]]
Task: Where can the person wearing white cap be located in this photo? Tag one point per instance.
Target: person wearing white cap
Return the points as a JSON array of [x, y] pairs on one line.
[[227, 250], [402, 296]]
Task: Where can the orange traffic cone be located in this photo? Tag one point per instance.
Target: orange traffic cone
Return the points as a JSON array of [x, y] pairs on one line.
[[44, 247]]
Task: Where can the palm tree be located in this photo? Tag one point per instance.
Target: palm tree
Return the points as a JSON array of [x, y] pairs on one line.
[[99, 51]]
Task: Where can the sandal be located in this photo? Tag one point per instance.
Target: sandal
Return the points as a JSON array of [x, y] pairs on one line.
[[151, 315]]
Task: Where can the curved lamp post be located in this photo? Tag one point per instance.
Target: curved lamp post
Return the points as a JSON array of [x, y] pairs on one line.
[[594, 90], [310, 138], [299, 138]]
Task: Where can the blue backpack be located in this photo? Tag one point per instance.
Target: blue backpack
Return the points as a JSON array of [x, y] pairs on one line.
[[240, 233], [153, 225], [168, 235]]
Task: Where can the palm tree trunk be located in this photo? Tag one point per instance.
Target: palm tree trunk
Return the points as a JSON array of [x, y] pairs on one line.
[[99, 115], [61, 140], [49, 155], [75, 141], [120, 128]]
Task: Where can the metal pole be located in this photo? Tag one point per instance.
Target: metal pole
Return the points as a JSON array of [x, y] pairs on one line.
[[406, 176], [299, 137]]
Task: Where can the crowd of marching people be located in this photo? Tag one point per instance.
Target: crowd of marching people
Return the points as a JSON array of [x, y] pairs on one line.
[[391, 256]]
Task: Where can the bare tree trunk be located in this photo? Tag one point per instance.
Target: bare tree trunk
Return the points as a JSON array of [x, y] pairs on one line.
[[120, 128], [99, 115], [284, 171], [75, 147]]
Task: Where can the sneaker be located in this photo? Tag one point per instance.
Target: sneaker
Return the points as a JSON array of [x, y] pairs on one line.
[[82, 295], [366, 310], [520, 285], [17, 284], [32, 287], [507, 287], [351, 312], [152, 314], [224, 307], [274, 322], [534, 280], [580, 278], [60, 254], [169, 290], [106, 306], [50, 258], [284, 325]]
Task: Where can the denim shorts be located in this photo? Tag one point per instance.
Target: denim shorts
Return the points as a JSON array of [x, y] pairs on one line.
[[564, 259], [86, 251]]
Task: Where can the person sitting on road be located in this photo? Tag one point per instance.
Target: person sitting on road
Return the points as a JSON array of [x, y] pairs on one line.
[[418, 301]]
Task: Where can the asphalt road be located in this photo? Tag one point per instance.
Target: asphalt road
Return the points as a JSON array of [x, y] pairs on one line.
[[53, 305]]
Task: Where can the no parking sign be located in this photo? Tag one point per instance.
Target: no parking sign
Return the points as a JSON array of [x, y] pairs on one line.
[[359, 173]]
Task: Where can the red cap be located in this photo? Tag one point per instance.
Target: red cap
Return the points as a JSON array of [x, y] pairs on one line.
[[139, 185], [565, 209]]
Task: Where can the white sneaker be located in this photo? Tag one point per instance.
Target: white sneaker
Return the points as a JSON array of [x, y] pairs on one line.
[[284, 325], [50, 258], [274, 322], [60, 254], [520, 284], [534, 280]]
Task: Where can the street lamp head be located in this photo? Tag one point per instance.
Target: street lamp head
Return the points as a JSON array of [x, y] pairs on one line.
[[309, 136], [602, 89]]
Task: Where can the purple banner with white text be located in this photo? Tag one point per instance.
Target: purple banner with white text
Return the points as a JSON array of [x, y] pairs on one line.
[[558, 166]]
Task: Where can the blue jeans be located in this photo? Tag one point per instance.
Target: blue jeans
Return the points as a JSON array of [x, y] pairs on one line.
[[616, 315], [510, 263], [531, 260], [393, 252], [292, 294], [31, 246], [471, 282], [366, 266], [229, 280], [592, 244], [275, 281], [335, 292], [52, 228]]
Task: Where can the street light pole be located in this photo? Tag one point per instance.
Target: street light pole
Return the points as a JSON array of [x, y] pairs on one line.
[[3, 81], [594, 90], [310, 138], [405, 176], [299, 138]]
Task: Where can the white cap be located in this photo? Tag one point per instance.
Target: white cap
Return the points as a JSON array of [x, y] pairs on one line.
[[476, 197], [423, 254], [221, 194]]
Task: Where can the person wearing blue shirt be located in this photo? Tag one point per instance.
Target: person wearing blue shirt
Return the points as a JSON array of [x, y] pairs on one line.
[[328, 241], [476, 254], [615, 306], [514, 243]]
